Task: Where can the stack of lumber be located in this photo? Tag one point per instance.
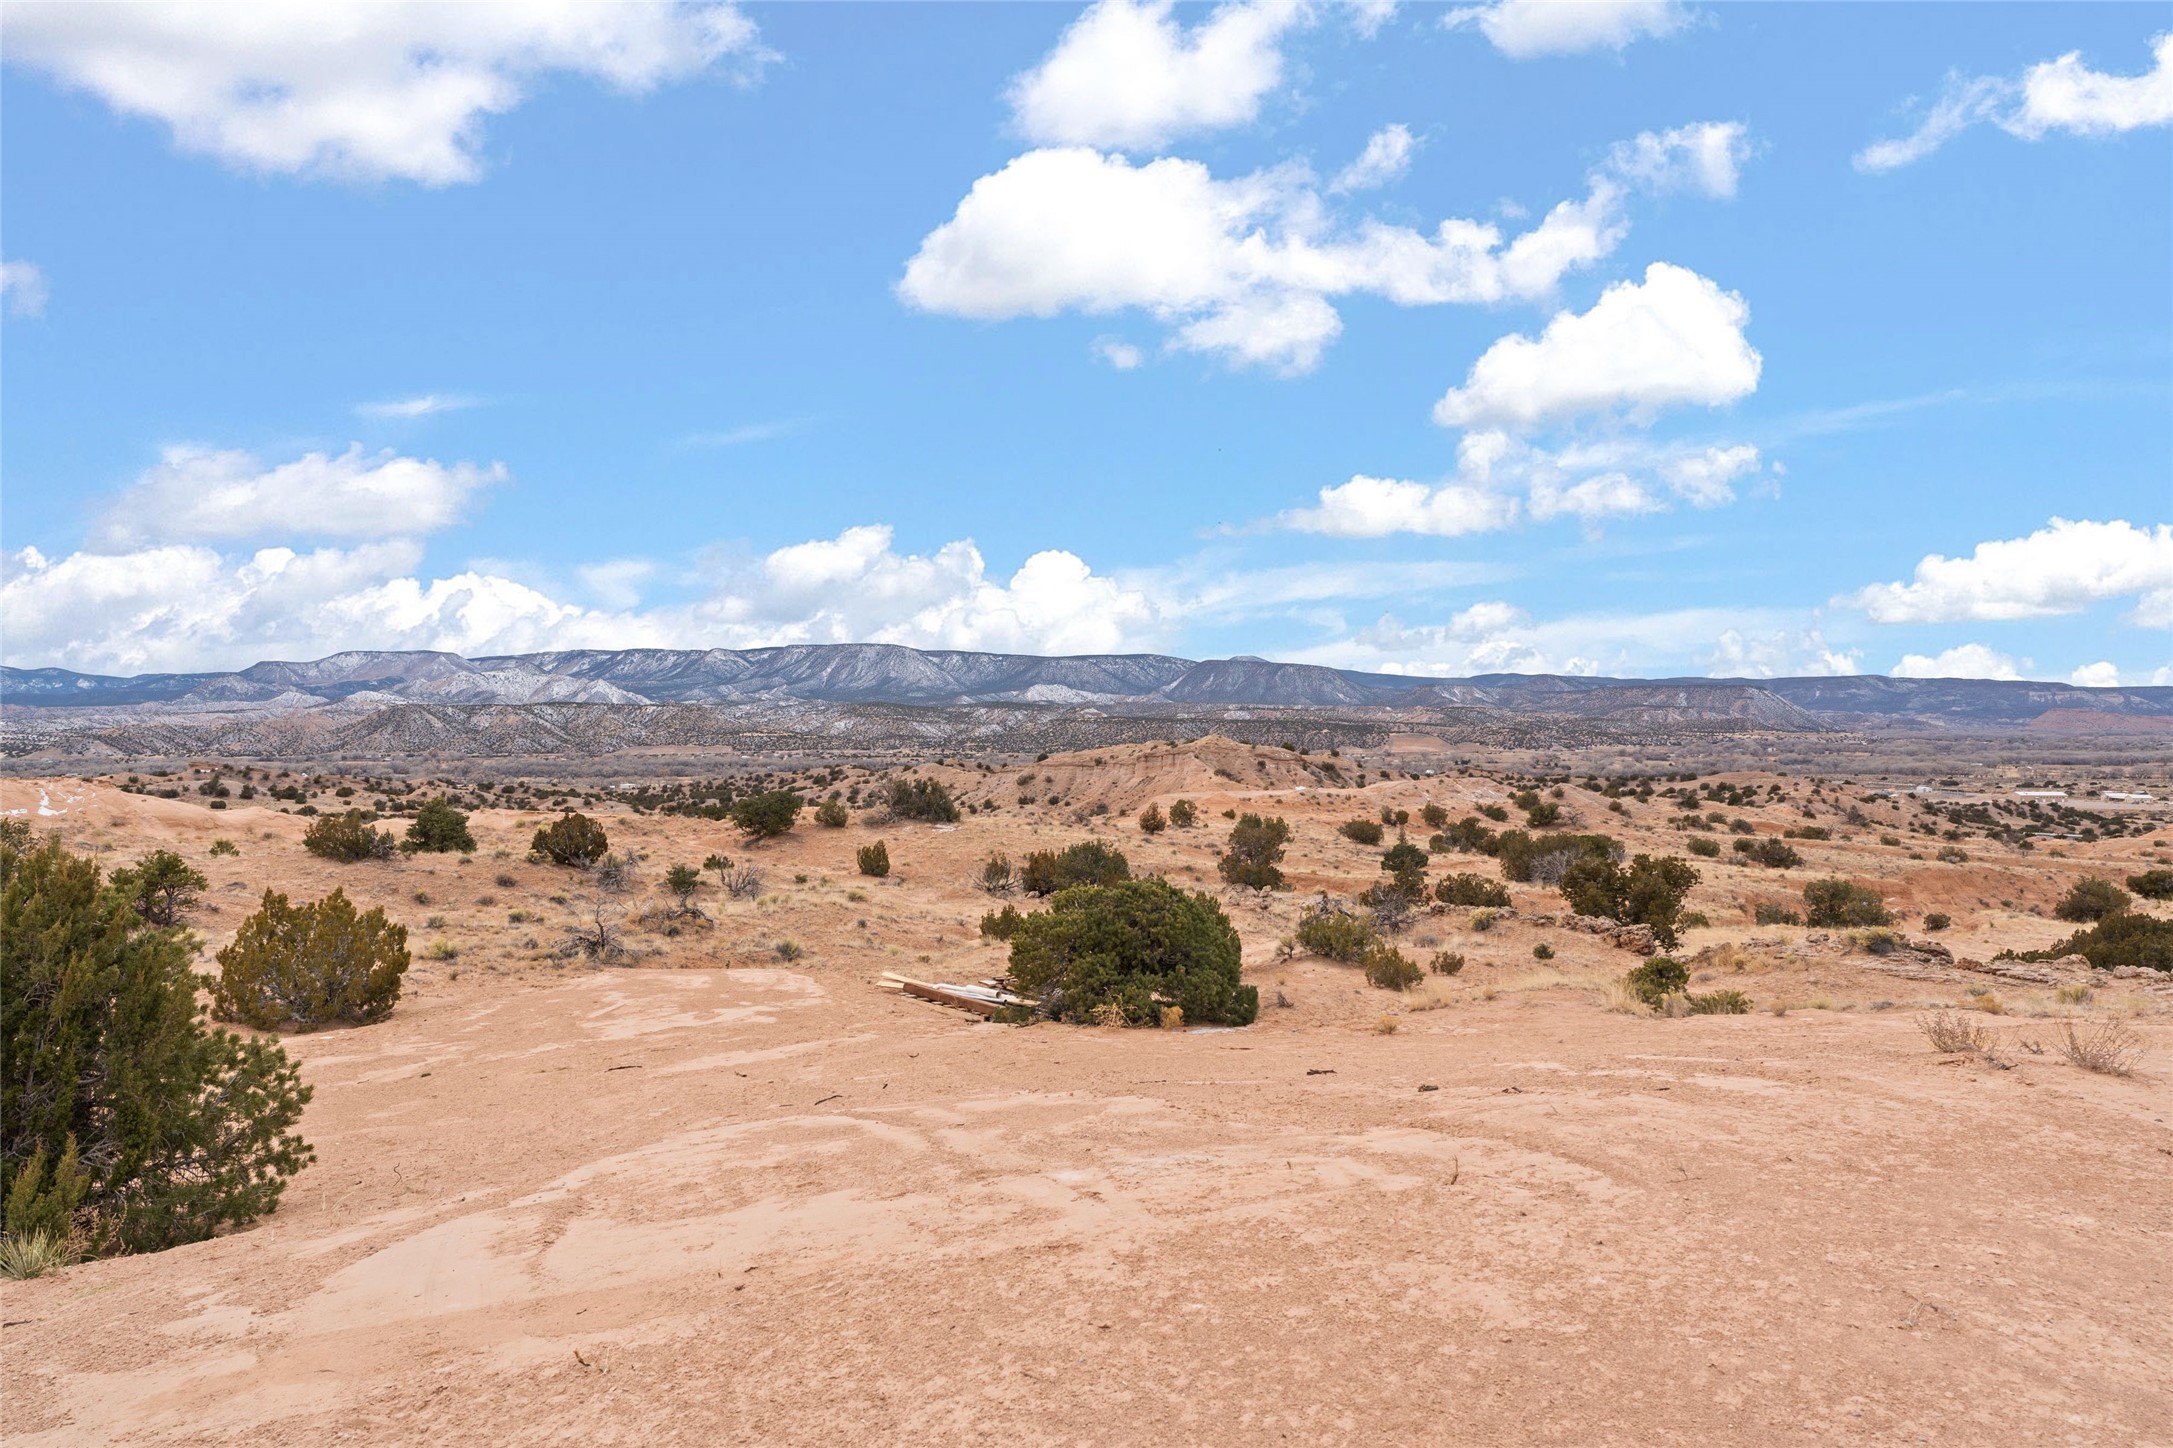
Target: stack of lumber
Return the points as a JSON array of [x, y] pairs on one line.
[[984, 999]]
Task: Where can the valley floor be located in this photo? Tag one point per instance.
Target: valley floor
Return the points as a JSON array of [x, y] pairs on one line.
[[686, 1203]]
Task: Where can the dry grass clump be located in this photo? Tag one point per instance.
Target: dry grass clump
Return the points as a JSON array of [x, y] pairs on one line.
[[2110, 1050], [1433, 996]]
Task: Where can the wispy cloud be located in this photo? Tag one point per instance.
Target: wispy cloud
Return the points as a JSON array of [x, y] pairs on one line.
[[22, 283], [427, 405], [752, 432]]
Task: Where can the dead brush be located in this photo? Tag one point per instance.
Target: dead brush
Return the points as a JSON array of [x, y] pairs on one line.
[[1952, 1033], [2110, 1050]]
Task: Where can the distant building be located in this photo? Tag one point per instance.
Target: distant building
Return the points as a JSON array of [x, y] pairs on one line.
[[2040, 794], [2131, 796]]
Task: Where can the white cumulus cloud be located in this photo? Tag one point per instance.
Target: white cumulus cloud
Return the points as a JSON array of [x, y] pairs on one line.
[[1675, 338], [1246, 268], [1376, 507], [2064, 567], [1706, 158], [1528, 29], [188, 606], [196, 493], [1126, 75], [1497, 637], [1589, 481], [2062, 95], [1604, 496], [1779, 653], [1963, 661], [2100, 675], [22, 284], [1386, 157], [357, 89]]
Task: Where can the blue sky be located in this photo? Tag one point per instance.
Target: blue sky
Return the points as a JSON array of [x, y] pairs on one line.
[[1652, 339]]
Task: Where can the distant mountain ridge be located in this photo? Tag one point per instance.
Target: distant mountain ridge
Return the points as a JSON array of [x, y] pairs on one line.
[[892, 674]]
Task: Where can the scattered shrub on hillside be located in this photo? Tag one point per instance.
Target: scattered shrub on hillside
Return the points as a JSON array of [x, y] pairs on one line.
[[1466, 836], [2091, 898], [1952, 855], [1938, 920], [996, 876], [1388, 907], [1406, 866], [1769, 852], [1705, 849], [1137, 945], [1332, 932], [125, 1124], [2118, 940], [922, 799], [438, 829], [1649, 893], [1544, 859], [1435, 816], [1387, 968], [832, 814], [874, 860], [1152, 821], [1090, 862], [160, 887], [1446, 962], [768, 815], [1657, 979], [1837, 902], [573, 840], [1468, 889], [2153, 884], [1254, 851], [682, 881], [1719, 1003], [1001, 924], [1808, 832], [1767, 913], [1184, 814], [1365, 832], [1495, 812], [224, 847], [1544, 814], [347, 837], [304, 966], [1542, 951]]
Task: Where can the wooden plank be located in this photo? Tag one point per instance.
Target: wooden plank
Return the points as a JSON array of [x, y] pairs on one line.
[[943, 997]]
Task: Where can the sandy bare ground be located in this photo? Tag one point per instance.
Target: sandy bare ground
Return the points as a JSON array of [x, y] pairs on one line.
[[685, 1203]]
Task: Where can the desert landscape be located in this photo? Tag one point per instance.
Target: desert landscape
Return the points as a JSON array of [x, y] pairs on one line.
[[1244, 723], [721, 1181]]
